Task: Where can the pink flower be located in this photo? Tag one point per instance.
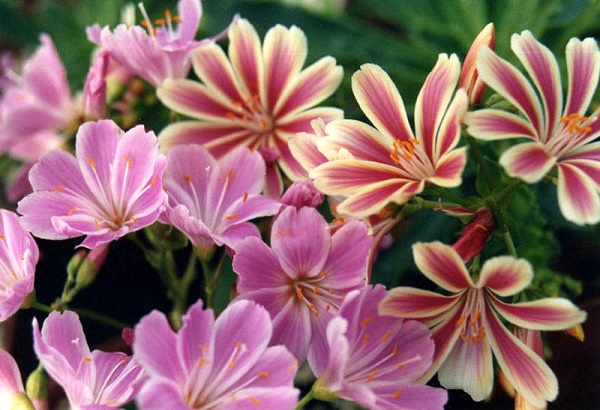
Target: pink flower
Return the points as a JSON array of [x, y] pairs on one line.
[[18, 256], [375, 166], [469, 77], [374, 360], [221, 364], [258, 97], [213, 201], [161, 52], [466, 327], [12, 392], [563, 139], [302, 279], [106, 380], [112, 187]]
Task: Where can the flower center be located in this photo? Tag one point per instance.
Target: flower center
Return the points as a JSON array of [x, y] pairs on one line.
[[316, 298], [166, 22], [250, 113], [471, 321], [403, 149], [574, 132], [576, 124]]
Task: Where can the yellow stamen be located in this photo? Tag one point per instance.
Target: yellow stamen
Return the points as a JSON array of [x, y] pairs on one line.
[[232, 216], [91, 161], [71, 211]]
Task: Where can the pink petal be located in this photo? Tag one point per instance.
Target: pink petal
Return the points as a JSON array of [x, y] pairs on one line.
[[96, 146], [490, 124], [292, 328], [245, 56], [313, 85], [505, 275], [449, 169], [527, 161], [442, 265], [361, 140], [469, 367], [372, 198], [155, 348], [10, 376], [577, 195], [195, 336], [583, 66], [412, 303], [432, 103], [524, 369], [300, 240], [286, 161], [380, 100], [284, 53], [257, 267], [348, 269], [214, 70], [541, 314], [40, 223], [542, 67], [512, 85]]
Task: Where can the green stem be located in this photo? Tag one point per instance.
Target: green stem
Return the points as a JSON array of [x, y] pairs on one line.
[[87, 314], [503, 226], [452, 197], [208, 283], [305, 400]]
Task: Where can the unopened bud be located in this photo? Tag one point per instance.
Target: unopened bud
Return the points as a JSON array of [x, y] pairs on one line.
[[577, 332], [320, 392], [20, 401], [37, 384], [90, 266]]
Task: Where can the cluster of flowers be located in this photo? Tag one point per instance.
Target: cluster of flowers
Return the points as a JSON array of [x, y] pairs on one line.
[[255, 128]]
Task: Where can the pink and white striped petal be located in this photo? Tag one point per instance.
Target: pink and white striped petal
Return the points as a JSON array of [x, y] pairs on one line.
[[214, 70], [512, 85], [469, 367], [304, 149], [448, 171], [195, 100], [346, 176], [374, 197], [245, 55], [314, 84], [542, 67], [505, 275], [448, 134], [442, 265], [302, 121], [381, 102], [490, 124], [219, 138], [527, 161], [541, 314], [523, 368], [432, 103], [413, 303], [577, 195], [284, 54], [583, 68], [359, 139]]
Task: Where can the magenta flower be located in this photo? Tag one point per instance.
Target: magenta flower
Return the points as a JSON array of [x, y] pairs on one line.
[[112, 187], [12, 392], [162, 51], [375, 166], [18, 256], [466, 325], [374, 360], [214, 364], [302, 279], [259, 97], [106, 380], [564, 139], [213, 201]]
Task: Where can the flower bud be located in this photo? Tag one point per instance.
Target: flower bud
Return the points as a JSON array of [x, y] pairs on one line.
[[469, 78], [37, 385], [90, 266]]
